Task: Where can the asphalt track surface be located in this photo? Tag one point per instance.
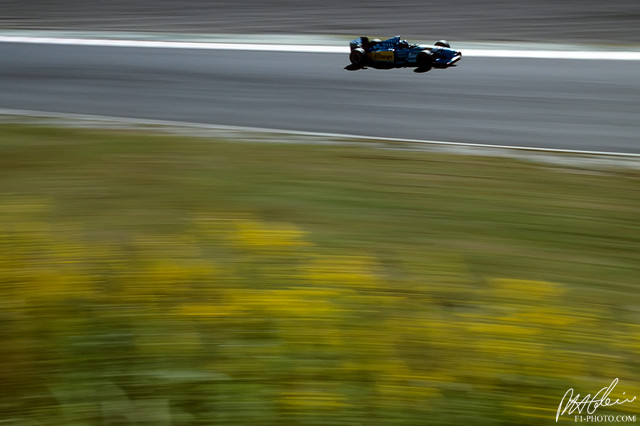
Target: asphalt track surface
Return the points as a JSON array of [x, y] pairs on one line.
[[590, 105]]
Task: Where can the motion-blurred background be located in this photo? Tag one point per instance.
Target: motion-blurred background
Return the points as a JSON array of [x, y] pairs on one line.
[[614, 21]]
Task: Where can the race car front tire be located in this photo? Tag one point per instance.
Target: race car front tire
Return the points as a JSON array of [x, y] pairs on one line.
[[357, 56], [424, 60]]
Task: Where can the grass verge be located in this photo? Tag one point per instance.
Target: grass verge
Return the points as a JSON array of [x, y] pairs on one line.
[[372, 280]]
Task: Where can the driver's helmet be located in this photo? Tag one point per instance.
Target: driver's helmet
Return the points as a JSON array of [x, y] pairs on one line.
[[403, 43]]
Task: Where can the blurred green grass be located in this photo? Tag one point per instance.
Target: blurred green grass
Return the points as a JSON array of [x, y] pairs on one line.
[[504, 217], [178, 280]]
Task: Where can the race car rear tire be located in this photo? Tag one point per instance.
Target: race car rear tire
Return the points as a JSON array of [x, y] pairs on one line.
[[357, 56], [424, 60]]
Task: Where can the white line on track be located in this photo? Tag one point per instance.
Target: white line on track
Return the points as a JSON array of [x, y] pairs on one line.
[[176, 44], [606, 55], [215, 127], [601, 55]]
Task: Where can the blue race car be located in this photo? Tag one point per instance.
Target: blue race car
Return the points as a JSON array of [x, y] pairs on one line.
[[398, 53]]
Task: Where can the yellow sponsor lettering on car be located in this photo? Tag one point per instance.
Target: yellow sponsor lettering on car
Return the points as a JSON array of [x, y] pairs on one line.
[[383, 56]]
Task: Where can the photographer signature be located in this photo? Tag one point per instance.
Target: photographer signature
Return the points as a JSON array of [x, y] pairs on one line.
[[591, 403]]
